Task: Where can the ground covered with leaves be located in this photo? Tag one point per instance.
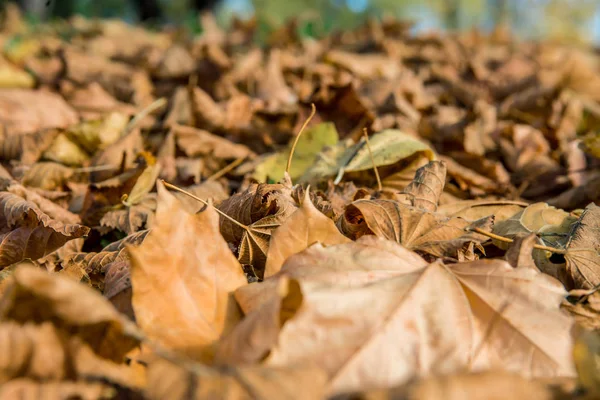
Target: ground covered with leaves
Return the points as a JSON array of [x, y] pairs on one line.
[[370, 215]]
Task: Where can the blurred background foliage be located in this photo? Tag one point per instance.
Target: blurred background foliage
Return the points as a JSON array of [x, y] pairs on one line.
[[565, 20]]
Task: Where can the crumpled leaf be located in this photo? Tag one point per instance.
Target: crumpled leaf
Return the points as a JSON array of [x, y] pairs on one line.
[[47, 175], [582, 269], [133, 218], [121, 153], [27, 111], [31, 389], [539, 218], [426, 188], [182, 299], [414, 228], [28, 232], [310, 143], [389, 147], [304, 227], [356, 340], [46, 353], [551, 225], [261, 208], [97, 264], [66, 304]]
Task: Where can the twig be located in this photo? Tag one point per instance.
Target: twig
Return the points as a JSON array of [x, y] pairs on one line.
[[226, 169], [155, 105], [509, 240], [310, 117], [180, 190], [192, 83], [94, 169], [379, 185]]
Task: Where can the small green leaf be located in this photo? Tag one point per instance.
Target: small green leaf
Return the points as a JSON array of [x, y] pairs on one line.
[[310, 144], [389, 147]]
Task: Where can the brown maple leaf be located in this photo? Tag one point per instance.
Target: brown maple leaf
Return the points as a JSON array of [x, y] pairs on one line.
[[181, 298], [29, 232], [260, 209], [304, 227], [414, 228], [348, 318]]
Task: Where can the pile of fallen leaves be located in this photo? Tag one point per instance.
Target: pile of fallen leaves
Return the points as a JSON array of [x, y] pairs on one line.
[[369, 215]]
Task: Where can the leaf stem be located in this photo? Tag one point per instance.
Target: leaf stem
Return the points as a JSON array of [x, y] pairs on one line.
[[155, 105], [180, 190], [94, 168], [509, 240], [310, 117], [226, 169], [379, 185]]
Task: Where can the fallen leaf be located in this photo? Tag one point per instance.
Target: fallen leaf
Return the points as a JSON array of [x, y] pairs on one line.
[[355, 339], [582, 258], [47, 175], [190, 381], [30, 389], [28, 232], [99, 133], [70, 306], [133, 218], [260, 209], [310, 143], [198, 142], [304, 227], [65, 151], [414, 228], [473, 210], [121, 153], [28, 111], [182, 300], [426, 188], [389, 147], [492, 385]]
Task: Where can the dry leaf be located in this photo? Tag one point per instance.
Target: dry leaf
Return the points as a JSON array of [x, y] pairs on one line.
[[426, 188], [65, 151], [28, 232], [261, 208], [351, 328], [492, 385], [70, 306], [46, 175], [181, 298], [303, 228], [198, 142], [416, 229], [196, 381], [31, 389], [27, 111], [582, 268], [131, 219]]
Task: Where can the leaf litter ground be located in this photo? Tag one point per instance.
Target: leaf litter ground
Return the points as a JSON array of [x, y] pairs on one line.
[[368, 215]]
